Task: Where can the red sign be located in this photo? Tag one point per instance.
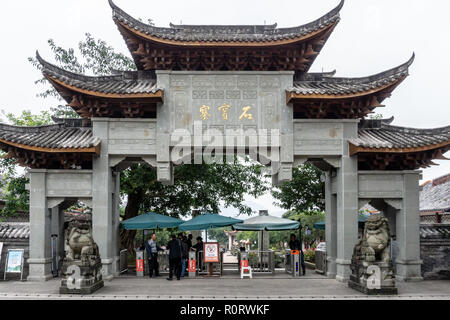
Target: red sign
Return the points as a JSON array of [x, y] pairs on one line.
[[244, 264], [295, 252], [140, 265], [211, 252], [192, 265]]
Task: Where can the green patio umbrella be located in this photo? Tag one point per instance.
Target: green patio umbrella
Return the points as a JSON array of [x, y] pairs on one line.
[[208, 221], [267, 223], [150, 221], [361, 220]]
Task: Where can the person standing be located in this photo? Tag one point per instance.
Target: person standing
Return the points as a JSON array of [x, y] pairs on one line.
[[295, 244], [185, 254], [198, 247], [152, 255], [175, 254], [189, 241]]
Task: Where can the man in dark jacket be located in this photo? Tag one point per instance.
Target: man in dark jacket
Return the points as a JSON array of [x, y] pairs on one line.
[[185, 253], [152, 255], [175, 254], [198, 247], [295, 244], [189, 241]]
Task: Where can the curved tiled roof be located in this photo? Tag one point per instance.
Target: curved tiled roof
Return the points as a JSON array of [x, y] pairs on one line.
[[235, 34], [435, 231], [327, 85], [386, 136], [435, 196], [52, 137], [11, 231], [122, 83]]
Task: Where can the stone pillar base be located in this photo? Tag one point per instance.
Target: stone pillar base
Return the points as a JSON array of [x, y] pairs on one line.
[[343, 270], [107, 269], [331, 275], [342, 279], [40, 270], [331, 267], [44, 278], [408, 271], [409, 279]]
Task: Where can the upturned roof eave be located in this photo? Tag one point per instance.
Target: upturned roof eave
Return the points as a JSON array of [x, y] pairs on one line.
[[160, 34], [386, 80], [61, 77]]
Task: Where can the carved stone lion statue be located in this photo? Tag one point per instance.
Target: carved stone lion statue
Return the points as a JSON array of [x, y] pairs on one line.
[[82, 267], [375, 243], [79, 244]]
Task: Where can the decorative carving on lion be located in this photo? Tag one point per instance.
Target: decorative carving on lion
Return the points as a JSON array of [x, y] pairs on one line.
[[375, 243], [80, 244]]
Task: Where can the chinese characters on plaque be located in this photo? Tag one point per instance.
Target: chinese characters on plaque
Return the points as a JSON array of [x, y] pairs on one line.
[[223, 109]]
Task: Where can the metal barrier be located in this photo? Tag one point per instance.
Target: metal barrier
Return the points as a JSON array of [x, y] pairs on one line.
[[288, 262], [260, 261], [203, 268], [123, 261], [292, 263]]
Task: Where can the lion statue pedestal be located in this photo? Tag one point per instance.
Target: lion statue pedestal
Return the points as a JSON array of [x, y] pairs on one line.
[[372, 270], [82, 266]]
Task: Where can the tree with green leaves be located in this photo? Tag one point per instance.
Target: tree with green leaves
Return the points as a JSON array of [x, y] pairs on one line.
[[201, 186], [306, 191], [308, 220]]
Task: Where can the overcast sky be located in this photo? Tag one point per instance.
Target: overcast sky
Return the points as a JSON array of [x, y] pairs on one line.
[[373, 35]]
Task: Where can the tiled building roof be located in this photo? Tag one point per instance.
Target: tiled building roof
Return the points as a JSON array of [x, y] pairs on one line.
[[435, 231], [11, 231], [325, 84], [383, 136], [56, 136], [435, 195], [218, 33], [122, 83]]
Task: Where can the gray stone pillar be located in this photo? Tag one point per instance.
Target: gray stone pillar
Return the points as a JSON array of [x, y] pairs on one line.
[[347, 215], [115, 224], [40, 260], [57, 221], [102, 204], [408, 263], [330, 227]]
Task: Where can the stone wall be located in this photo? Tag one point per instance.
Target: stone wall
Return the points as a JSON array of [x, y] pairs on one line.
[[435, 251]]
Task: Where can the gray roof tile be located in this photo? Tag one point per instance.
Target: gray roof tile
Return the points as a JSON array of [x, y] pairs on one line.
[[378, 134], [58, 136], [434, 231], [227, 33], [436, 196], [326, 84], [123, 82], [11, 231]]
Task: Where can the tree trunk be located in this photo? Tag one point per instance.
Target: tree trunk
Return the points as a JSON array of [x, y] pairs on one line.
[[131, 211]]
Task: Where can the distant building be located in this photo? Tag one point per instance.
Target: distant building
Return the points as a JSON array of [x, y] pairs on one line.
[[435, 201]]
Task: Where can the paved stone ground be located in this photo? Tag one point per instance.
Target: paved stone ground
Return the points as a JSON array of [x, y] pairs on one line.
[[228, 288]]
